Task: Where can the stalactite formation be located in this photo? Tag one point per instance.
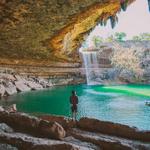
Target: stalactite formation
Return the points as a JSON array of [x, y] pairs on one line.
[[124, 4], [149, 5], [113, 20]]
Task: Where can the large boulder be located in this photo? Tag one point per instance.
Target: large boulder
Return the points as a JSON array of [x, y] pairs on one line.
[[5, 128], [65, 122], [33, 85], [33, 125], [1, 108], [2, 90], [115, 129], [51, 129], [21, 86], [10, 88], [43, 82], [7, 76]]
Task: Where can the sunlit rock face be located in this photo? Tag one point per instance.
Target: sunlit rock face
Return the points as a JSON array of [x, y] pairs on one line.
[[42, 31]]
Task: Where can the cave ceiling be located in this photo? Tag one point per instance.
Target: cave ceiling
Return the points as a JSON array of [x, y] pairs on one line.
[[50, 30]]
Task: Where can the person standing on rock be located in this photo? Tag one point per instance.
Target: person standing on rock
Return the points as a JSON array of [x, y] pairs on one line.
[[74, 103]]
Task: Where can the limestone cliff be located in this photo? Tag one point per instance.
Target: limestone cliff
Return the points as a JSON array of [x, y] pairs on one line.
[[41, 31]]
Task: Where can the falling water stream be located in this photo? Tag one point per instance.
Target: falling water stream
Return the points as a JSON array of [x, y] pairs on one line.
[[91, 67]]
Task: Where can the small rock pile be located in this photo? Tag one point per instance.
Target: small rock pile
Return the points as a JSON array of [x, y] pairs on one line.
[[12, 83]]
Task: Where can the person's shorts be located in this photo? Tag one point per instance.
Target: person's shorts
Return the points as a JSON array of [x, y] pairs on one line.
[[74, 108]]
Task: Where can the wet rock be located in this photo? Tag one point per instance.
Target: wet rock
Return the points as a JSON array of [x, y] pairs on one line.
[[7, 76], [5, 128], [19, 121], [107, 142], [7, 147], [1, 108], [51, 129], [115, 129], [62, 81], [20, 78], [83, 144], [21, 86], [103, 142], [2, 90], [10, 88], [21, 83], [35, 126], [44, 82], [76, 139], [27, 142], [127, 76], [33, 85], [65, 122], [49, 84]]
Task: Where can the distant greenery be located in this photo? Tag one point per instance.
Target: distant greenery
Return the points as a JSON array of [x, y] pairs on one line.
[[119, 37], [97, 40], [142, 37]]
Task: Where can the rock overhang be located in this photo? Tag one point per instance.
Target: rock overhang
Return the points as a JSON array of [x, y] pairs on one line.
[[51, 30]]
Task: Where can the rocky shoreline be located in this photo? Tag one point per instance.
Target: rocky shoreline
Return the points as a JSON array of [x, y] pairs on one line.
[[12, 83], [24, 132]]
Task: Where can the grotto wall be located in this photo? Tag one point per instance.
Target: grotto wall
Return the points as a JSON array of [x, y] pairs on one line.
[[44, 31]]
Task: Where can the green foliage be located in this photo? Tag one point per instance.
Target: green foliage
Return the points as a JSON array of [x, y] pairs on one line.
[[145, 36], [136, 38], [120, 36], [97, 40], [142, 37], [110, 38]]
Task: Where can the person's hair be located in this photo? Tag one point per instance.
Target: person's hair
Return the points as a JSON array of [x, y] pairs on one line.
[[73, 92]]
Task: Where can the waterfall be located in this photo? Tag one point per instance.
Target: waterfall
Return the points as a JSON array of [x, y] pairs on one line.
[[91, 66]]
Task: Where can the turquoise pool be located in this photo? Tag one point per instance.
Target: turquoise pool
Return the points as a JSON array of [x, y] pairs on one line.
[[123, 104]]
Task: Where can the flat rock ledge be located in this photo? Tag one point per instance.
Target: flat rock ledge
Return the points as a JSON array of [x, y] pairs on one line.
[[22, 122], [114, 129], [22, 131], [12, 83]]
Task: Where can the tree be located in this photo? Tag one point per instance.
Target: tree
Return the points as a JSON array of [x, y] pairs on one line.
[[136, 38], [127, 58], [142, 37], [145, 36], [110, 38], [119, 36], [97, 40]]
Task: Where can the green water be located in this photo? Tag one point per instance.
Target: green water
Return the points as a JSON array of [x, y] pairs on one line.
[[123, 104]]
